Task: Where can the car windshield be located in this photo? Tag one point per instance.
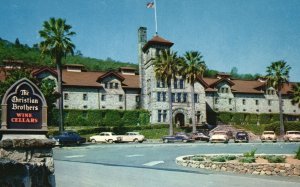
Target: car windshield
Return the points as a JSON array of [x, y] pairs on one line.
[[269, 133], [296, 132], [241, 134], [224, 133]]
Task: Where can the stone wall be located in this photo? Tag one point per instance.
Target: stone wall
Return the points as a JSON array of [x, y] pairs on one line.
[[281, 169], [26, 162]]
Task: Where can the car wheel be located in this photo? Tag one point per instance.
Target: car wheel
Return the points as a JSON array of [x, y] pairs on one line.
[[165, 140], [184, 141], [93, 141], [136, 140], [110, 141], [77, 142]]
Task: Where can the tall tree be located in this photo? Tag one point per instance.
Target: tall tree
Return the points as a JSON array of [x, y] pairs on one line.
[[296, 94], [194, 69], [277, 75], [57, 43], [166, 68]]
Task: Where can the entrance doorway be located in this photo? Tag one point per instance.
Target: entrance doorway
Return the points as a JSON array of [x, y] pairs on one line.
[[179, 119]]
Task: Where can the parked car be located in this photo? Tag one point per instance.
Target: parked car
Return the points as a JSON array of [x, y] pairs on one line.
[[219, 136], [241, 136], [69, 137], [132, 137], [268, 136], [177, 138], [292, 136], [105, 137], [200, 136]]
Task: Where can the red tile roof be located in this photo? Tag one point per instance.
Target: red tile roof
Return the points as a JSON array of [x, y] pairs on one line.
[[157, 40]]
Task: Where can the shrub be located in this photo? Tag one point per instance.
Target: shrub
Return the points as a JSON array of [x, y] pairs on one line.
[[250, 153], [275, 159], [247, 159], [230, 157], [198, 158], [218, 159], [297, 156], [224, 117]]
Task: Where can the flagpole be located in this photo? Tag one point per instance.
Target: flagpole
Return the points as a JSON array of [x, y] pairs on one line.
[[155, 17]]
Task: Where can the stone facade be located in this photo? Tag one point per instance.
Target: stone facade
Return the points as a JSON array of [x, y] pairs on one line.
[[27, 162]]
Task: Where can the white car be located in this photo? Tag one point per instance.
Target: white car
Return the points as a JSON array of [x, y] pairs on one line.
[[292, 136], [268, 136], [107, 137], [219, 136], [132, 137]]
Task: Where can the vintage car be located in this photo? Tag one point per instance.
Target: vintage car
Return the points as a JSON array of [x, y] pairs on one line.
[[241, 136], [177, 138], [292, 136], [219, 136], [200, 136], [69, 137], [268, 136], [132, 137], [105, 137]]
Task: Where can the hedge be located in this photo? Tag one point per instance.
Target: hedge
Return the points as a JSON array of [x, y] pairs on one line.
[[100, 118], [246, 118]]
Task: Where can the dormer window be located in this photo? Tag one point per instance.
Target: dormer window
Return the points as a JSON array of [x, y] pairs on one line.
[[105, 85], [270, 91], [116, 85], [111, 85]]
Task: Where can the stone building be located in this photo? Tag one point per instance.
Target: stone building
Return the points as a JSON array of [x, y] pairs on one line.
[[126, 90]]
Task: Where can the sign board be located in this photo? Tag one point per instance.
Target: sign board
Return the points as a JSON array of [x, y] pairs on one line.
[[24, 108]]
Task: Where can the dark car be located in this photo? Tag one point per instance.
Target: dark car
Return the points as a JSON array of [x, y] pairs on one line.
[[69, 137], [200, 136], [177, 138], [241, 136]]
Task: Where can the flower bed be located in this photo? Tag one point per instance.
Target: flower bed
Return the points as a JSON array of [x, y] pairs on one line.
[[234, 163]]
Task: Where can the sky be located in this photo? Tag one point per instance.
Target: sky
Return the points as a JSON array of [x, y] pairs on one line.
[[246, 34]]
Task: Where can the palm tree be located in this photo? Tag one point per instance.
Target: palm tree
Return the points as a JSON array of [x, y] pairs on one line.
[[277, 75], [57, 43], [296, 94], [194, 69], [166, 68]]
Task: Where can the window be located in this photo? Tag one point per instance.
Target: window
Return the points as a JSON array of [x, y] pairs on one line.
[[196, 98], [230, 101], [164, 96], [179, 97], [181, 85], [184, 97], [244, 101], [159, 116], [257, 102], [160, 84], [175, 83], [111, 85], [105, 85], [66, 96], [164, 115], [85, 97], [226, 90], [120, 98], [137, 99], [103, 97], [116, 85], [216, 100], [269, 102], [173, 97], [158, 96]]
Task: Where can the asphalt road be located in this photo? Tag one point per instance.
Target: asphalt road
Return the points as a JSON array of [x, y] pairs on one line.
[[150, 165]]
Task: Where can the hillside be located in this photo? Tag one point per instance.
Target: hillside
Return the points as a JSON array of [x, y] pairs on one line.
[[32, 56]]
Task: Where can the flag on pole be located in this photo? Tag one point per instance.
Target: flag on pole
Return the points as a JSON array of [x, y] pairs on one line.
[[150, 5]]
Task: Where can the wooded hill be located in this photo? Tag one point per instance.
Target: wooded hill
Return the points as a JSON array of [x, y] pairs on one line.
[[32, 57]]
